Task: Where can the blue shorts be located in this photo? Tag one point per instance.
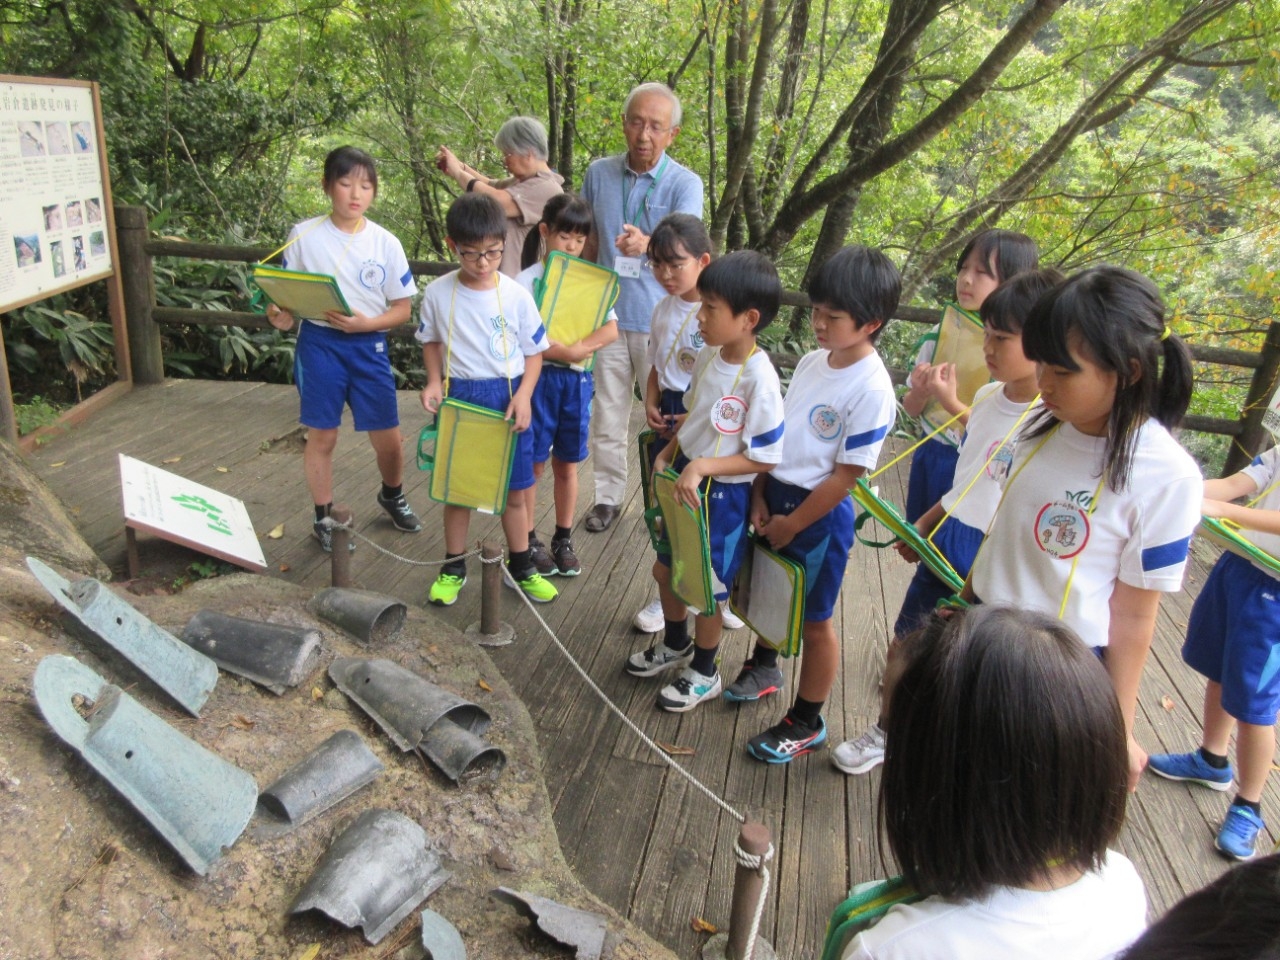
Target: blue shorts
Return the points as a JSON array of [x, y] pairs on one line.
[[933, 472], [822, 548], [561, 414], [334, 369], [1233, 638], [959, 543], [728, 505], [495, 394]]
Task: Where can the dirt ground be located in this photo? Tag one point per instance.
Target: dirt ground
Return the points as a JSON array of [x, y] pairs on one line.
[[84, 875]]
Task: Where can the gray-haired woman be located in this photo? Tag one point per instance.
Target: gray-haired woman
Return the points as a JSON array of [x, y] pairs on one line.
[[523, 142]]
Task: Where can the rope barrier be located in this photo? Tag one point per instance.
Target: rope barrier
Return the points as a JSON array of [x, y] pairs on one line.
[[350, 528], [752, 862]]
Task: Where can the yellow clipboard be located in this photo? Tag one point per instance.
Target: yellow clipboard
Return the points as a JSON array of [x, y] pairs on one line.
[[768, 594], [646, 443], [473, 449], [574, 297], [1227, 535], [959, 342], [887, 515], [686, 532], [302, 294]]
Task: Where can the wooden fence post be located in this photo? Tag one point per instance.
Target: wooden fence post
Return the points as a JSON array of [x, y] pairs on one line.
[[138, 286], [1246, 444]]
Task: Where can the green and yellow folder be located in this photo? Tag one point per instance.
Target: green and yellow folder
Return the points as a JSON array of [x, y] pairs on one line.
[[1227, 535], [959, 341], [472, 453], [768, 594], [574, 297], [686, 532], [302, 294], [866, 903], [646, 442], [887, 515]]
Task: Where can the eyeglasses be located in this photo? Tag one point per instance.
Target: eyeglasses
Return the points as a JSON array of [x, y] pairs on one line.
[[475, 256], [668, 267], [636, 125]]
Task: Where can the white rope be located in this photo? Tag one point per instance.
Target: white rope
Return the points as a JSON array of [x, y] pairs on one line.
[[333, 524], [751, 861]]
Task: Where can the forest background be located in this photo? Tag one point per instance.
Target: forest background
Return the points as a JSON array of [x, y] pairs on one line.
[[1139, 133]]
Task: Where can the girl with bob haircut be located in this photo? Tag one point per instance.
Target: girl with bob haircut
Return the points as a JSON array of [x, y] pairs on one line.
[[1004, 786], [1100, 501]]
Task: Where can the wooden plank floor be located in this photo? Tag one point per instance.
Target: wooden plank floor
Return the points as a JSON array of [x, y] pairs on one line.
[[637, 834]]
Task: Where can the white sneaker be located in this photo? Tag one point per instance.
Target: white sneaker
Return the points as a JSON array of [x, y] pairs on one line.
[[860, 755], [689, 690], [659, 658], [650, 619], [731, 620]]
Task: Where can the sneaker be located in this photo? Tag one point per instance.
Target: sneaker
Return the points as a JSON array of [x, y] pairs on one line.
[[444, 592], [860, 755], [539, 557], [753, 683], [650, 619], [400, 513], [538, 588], [659, 658], [1239, 833], [731, 620], [566, 561], [324, 533], [786, 740], [688, 690], [1190, 767]]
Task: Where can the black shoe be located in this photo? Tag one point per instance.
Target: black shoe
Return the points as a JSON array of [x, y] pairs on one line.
[[539, 557], [566, 561], [401, 515], [323, 531]]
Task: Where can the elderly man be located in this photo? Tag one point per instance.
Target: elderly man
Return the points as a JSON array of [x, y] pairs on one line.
[[630, 193]]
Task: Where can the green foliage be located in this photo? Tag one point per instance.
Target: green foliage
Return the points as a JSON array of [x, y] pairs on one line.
[[55, 349], [34, 414]]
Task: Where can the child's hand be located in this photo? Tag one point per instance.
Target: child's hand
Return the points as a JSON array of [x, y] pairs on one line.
[[759, 513], [919, 375], [653, 416], [432, 396], [779, 530], [520, 413], [279, 318], [687, 487], [905, 552], [942, 384], [356, 322]]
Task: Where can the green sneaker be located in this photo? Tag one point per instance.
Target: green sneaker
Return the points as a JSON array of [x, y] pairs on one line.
[[538, 588], [444, 592]]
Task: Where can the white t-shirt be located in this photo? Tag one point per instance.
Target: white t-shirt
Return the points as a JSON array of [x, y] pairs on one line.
[[493, 330], [370, 266], [674, 341], [1265, 471], [834, 416], [733, 409], [1139, 536], [1092, 919], [985, 455]]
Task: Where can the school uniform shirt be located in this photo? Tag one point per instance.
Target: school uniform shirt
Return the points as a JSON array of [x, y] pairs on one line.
[[733, 409], [492, 330], [674, 341], [834, 416], [1265, 472], [985, 455], [1092, 919], [370, 265], [1048, 520]]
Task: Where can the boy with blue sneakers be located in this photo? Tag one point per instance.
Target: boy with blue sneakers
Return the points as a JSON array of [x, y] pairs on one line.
[[1233, 639], [733, 431], [482, 342], [839, 408]]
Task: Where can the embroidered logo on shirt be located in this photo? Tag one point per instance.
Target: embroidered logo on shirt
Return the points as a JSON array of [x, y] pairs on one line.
[[685, 359], [372, 275], [999, 457], [729, 414], [825, 421], [503, 342], [1062, 529]]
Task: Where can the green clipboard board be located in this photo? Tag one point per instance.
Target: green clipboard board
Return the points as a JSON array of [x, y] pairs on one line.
[[1227, 535], [470, 461], [866, 903], [646, 443], [768, 594], [574, 297], [686, 533], [887, 515], [302, 294], [959, 341]]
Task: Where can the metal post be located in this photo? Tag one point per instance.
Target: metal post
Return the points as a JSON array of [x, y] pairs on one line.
[[341, 568], [748, 884], [491, 631]]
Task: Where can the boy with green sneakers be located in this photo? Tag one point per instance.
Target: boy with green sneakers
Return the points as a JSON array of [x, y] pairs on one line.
[[733, 431], [483, 337]]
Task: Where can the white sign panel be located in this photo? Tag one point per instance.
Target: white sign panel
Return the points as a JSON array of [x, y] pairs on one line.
[[1271, 419], [53, 216], [183, 511]]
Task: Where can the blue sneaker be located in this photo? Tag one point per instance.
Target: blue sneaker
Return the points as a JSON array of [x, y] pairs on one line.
[[786, 740], [1192, 768], [1239, 833]]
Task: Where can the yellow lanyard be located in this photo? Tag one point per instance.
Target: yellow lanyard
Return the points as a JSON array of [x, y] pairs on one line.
[[680, 333], [315, 226], [502, 329]]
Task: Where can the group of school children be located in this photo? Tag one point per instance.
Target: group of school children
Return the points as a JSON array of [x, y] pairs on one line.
[[1057, 493]]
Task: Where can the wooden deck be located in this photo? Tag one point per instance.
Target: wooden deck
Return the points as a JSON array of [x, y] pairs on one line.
[[639, 836]]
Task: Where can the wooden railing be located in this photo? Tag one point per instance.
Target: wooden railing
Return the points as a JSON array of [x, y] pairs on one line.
[[145, 318]]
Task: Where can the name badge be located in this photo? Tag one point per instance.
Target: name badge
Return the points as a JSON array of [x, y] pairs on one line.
[[627, 267]]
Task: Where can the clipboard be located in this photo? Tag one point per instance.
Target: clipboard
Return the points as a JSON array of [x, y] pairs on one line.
[[473, 449], [866, 903], [646, 443], [887, 515], [959, 341], [574, 297], [1227, 535], [686, 532], [303, 294], [768, 594]]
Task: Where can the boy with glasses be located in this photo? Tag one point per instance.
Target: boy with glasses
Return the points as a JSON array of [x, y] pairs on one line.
[[482, 341]]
